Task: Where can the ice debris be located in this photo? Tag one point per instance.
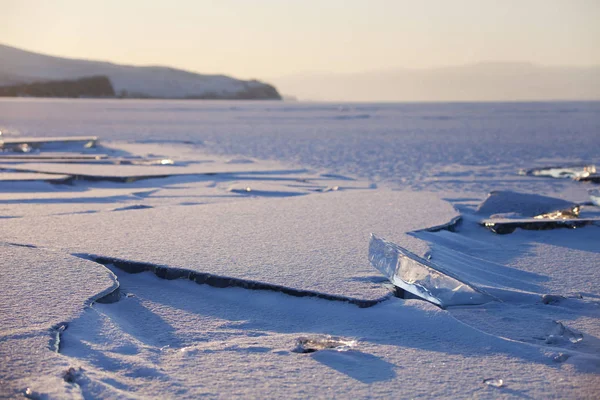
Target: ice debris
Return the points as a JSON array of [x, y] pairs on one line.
[[569, 213], [310, 344], [573, 171], [25, 145], [593, 178], [328, 189], [494, 382], [32, 394], [552, 298], [595, 197], [507, 211], [560, 357], [56, 332], [506, 203], [71, 374], [503, 226], [560, 335], [421, 277]]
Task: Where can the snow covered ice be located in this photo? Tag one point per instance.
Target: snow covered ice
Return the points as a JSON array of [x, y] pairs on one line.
[[505, 211], [199, 276]]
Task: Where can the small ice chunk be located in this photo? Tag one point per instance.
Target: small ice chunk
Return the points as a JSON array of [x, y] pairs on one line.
[[560, 334], [595, 197], [560, 357], [494, 382], [32, 394], [328, 189], [421, 277], [310, 344], [592, 178], [569, 213], [552, 298], [574, 171], [72, 374]]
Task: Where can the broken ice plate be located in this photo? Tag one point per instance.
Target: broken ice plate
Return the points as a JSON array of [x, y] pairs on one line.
[[573, 171], [25, 145], [421, 277], [506, 203], [310, 344], [506, 211]]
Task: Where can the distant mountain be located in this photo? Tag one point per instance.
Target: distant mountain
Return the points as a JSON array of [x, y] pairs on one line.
[[476, 82], [24, 67]]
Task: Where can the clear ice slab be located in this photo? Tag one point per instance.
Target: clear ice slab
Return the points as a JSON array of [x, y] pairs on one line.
[[421, 277], [561, 335]]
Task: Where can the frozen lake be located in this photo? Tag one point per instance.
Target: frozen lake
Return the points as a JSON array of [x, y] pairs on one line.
[[398, 142], [200, 245]]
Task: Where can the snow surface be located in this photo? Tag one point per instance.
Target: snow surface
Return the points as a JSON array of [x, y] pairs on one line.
[[317, 242], [40, 291], [287, 195]]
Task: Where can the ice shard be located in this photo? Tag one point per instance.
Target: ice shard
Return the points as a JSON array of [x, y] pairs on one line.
[[572, 171], [561, 335], [421, 277]]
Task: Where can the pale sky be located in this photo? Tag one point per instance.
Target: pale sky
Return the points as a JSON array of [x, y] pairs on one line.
[[271, 38]]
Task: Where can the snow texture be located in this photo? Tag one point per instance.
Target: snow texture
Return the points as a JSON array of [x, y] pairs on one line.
[[41, 292], [271, 206]]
